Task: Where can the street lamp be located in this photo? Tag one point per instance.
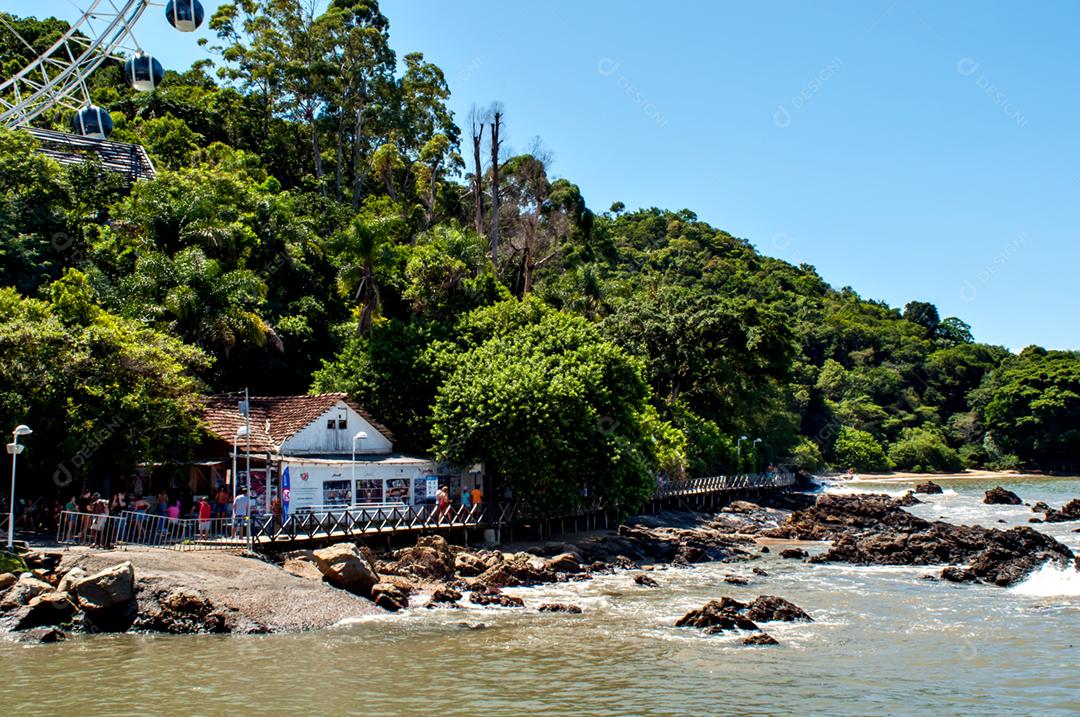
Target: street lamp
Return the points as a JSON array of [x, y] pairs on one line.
[[738, 452], [240, 433], [14, 449], [756, 441], [361, 436]]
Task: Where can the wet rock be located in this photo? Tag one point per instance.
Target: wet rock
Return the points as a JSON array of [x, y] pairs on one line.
[[760, 639], [1069, 512], [833, 516], [179, 611], [765, 549], [770, 608], [735, 580], [489, 598], [929, 488], [956, 574], [1040, 507], [718, 616], [560, 607], [565, 563], [689, 555], [759, 571], [445, 594], [908, 499], [51, 608], [43, 635], [645, 581], [406, 586], [794, 554], [389, 597], [1000, 496], [344, 566], [106, 589]]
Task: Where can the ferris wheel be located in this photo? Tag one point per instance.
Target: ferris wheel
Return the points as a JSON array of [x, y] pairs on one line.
[[58, 74]]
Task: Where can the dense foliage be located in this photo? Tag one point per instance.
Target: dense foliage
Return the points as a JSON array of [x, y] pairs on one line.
[[315, 225]]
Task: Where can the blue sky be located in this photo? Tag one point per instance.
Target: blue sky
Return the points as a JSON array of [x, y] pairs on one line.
[[909, 149]]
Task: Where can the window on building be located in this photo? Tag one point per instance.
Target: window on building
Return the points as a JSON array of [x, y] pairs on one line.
[[342, 424]]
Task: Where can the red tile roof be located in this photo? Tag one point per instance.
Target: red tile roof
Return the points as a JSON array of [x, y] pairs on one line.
[[274, 418]]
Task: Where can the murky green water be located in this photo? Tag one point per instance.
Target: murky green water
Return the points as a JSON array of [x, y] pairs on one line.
[[885, 641]]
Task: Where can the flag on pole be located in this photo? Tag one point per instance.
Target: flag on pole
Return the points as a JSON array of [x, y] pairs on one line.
[[286, 492]]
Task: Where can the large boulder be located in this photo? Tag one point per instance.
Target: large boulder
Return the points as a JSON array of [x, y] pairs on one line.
[[833, 516], [302, 568], [344, 566], [106, 589], [560, 607], [1001, 496], [444, 595], [760, 639], [7, 580], [517, 570], [929, 488], [645, 581]]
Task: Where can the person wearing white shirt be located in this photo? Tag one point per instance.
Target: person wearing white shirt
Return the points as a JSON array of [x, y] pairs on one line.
[[240, 510]]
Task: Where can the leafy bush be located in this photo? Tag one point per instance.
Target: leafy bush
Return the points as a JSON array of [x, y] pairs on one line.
[[859, 450], [807, 455], [924, 450]]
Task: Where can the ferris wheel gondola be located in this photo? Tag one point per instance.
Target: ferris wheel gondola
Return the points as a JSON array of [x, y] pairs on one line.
[[58, 75]]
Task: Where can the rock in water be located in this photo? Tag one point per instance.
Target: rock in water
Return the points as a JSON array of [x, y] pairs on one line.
[[1000, 496], [565, 563], [469, 565], [560, 607], [1040, 507], [389, 597], [43, 635], [928, 488], [495, 598], [1069, 512], [794, 554], [106, 589], [645, 581], [444, 595], [431, 558], [760, 638], [25, 589], [51, 608], [344, 566], [833, 516], [722, 614], [769, 608]]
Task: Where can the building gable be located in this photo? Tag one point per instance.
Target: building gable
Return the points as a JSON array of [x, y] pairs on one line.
[[333, 431]]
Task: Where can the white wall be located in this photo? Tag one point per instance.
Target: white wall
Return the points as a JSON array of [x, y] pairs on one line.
[[307, 493], [316, 438]]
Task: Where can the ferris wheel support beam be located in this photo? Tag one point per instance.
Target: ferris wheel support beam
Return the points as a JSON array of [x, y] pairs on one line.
[[58, 77]]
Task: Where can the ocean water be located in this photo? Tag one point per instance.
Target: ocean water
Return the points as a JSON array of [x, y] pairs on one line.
[[884, 641]]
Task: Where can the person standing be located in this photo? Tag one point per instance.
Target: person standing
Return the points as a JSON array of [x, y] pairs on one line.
[[477, 496], [204, 518], [466, 497], [240, 512]]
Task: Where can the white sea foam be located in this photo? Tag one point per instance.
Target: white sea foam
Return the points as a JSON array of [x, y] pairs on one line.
[[1050, 581]]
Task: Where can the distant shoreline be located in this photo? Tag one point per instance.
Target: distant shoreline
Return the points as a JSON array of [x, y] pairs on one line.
[[902, 477]]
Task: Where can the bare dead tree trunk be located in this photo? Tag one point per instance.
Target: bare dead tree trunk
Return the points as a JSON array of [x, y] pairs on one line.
[[338, 169], [477, 124], [496, 126]]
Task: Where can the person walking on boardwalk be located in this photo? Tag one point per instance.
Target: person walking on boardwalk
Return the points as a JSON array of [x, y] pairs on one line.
[[442, 500], [205, 511]]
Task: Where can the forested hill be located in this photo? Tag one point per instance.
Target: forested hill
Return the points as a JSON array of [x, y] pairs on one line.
[[320, 222]]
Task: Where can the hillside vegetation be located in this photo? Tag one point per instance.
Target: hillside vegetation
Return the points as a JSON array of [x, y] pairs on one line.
[[320, 222]]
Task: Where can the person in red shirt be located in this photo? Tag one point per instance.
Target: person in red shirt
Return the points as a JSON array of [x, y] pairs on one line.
[[204, 518]]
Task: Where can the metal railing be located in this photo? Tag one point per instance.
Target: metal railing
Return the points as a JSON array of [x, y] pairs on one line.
[[144, 529], [373, 520], [722, 484]]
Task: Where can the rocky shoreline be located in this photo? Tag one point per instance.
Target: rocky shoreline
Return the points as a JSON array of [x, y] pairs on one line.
[[216, 592]]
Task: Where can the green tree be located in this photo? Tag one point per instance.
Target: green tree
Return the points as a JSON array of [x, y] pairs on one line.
[[859, 450]]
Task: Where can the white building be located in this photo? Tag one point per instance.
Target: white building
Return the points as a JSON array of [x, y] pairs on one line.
[[324, 449]]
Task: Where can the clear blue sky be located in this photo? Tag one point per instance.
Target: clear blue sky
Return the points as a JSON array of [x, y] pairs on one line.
[[909, 149]]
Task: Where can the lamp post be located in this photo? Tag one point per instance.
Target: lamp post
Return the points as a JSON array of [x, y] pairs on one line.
[[738, 453], [240, 433], [756, 441], [361, 436], [14, 449]]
